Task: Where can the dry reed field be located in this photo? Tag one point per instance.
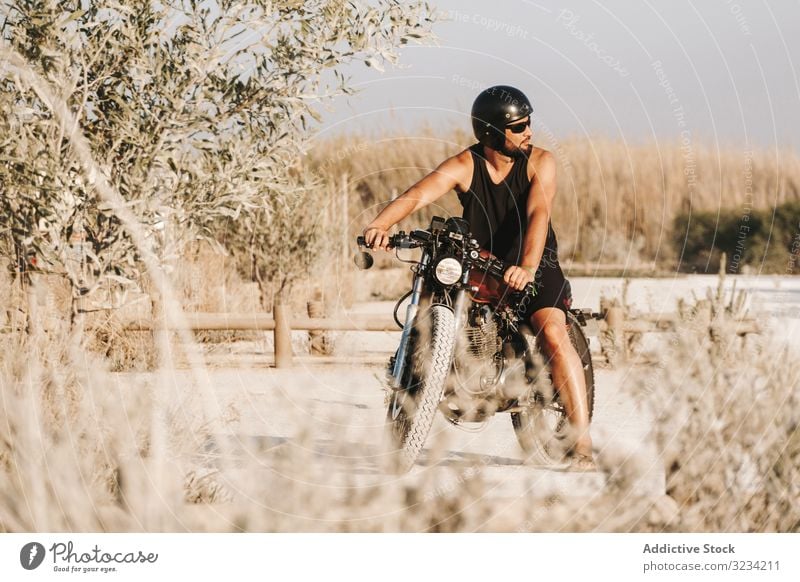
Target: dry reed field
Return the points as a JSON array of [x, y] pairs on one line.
[[617, 202], [141, 176]]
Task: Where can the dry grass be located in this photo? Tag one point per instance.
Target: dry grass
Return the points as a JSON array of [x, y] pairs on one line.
[[83, 449], [728, 426], [616, 202]]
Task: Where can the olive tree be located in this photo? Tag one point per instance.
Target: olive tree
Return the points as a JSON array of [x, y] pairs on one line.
[[195, 111]]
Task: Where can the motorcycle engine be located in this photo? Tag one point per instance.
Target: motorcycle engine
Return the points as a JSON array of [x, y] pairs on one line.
[[481, 333], [473, 383]]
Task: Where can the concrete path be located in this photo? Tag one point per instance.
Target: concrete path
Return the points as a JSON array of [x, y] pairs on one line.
[[334, 412], [338, 412]]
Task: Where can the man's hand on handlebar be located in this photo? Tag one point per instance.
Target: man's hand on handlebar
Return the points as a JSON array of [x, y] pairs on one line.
[[377, 238], [517, 277]]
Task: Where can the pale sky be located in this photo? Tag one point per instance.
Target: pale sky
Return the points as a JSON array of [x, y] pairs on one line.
[[725, 71]]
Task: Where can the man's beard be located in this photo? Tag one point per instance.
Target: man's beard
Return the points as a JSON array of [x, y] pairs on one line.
[[517, 152]]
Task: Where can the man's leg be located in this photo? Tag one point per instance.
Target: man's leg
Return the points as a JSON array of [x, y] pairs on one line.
[[550, 326]]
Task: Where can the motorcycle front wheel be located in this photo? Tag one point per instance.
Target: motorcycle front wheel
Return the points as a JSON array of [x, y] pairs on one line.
[[542, 429], [413, 406]]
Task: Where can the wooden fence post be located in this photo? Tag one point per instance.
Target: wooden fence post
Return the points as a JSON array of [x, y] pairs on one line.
[[612, 337], [615, 318], [283, 336], [320, 342]]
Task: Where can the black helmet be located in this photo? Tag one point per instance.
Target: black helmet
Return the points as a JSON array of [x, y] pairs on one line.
[[495, 108]]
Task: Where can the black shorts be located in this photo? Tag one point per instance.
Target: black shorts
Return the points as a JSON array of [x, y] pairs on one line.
[[552, 290]]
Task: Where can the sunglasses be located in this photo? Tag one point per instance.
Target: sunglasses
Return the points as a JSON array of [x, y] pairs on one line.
[[519, 127]]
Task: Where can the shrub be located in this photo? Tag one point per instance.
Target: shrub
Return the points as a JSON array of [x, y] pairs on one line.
[[763, 240]]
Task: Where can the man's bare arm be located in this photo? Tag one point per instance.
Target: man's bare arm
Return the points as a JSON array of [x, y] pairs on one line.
[[452, 172], [540, 205]]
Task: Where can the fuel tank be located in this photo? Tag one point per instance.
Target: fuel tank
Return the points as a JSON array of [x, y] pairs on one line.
[[491, 288]]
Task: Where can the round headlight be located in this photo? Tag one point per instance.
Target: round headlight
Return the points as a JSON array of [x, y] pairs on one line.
[[448, 271]]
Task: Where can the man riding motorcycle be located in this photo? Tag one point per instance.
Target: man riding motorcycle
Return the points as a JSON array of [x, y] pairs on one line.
[[507, 187]]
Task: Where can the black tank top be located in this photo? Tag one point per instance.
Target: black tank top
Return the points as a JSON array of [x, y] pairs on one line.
[[497, 213]]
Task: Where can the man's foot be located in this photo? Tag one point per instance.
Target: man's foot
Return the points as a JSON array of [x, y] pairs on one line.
[[582, 463]]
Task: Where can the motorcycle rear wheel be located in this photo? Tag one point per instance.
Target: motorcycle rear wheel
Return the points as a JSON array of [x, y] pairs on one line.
[[542, 429], [413, 406]]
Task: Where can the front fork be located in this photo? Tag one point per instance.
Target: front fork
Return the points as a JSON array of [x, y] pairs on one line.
[[396, 376], [459, 309]]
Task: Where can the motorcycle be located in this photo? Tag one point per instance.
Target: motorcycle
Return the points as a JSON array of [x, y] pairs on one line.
[[467, 351]]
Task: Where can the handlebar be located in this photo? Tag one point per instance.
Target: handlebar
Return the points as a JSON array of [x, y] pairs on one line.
[[401, 240], [498, 268], [417, 238]]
